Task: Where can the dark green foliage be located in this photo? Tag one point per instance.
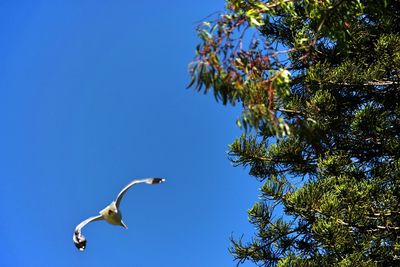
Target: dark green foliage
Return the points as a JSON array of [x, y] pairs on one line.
[[319, 85]]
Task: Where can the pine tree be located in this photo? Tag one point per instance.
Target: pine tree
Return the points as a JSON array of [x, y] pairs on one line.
[[318, 83]]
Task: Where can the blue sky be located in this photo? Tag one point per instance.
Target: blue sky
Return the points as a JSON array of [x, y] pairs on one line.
[[92, 95]]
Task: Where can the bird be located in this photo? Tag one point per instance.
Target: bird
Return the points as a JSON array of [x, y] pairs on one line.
[[111, 213]]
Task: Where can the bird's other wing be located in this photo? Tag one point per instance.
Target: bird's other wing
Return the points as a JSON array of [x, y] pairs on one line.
[[146, 180], [79, 239]]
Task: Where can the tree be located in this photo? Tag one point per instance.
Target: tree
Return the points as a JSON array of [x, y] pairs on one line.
[[318, 83]]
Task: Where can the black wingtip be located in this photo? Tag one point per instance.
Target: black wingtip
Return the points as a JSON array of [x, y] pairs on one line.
[[81, 246], [80, 242], [158, 180]]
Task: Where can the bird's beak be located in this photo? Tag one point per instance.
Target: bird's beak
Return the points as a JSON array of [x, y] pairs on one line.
[[124, 225]]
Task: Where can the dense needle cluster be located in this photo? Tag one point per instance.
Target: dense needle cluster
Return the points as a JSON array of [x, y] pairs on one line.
[[318, 82]]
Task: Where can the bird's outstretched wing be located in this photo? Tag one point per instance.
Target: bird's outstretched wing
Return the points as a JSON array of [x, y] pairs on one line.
[[79, 239], [146, 180]]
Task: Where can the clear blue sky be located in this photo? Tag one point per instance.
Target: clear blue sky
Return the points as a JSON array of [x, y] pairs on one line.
[[92, 95]]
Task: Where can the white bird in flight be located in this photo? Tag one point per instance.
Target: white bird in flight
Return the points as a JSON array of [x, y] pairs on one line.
[[111, 213]]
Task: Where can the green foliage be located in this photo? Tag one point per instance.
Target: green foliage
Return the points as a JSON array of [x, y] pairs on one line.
[[318, 81]]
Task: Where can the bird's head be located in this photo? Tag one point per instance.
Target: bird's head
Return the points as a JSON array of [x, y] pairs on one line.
[[110, 211]]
